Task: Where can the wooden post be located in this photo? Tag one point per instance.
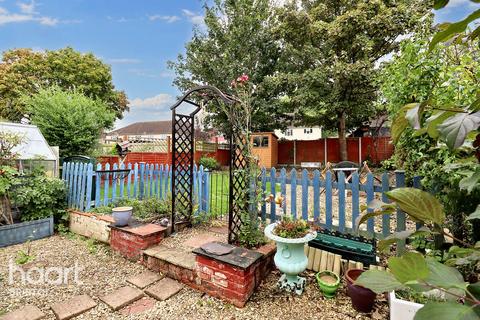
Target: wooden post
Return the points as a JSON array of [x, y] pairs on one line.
[[169, 155], [273, 176], [293, 193], [142, 179], [325, 150], [360, 151], [305, 194], [294, 152]]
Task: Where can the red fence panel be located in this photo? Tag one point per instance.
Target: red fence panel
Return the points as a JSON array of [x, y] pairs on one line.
[[372, 149]]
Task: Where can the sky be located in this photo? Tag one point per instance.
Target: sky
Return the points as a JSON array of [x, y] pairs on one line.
[[136, 38]]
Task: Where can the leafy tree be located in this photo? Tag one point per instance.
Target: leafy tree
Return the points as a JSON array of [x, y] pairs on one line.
[[237, 39], [69, 120], [24, 71], [456, 122], [432, 93], [329, 52]]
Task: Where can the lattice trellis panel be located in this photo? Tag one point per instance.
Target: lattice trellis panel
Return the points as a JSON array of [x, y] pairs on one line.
[[182, 168], [239, 186]]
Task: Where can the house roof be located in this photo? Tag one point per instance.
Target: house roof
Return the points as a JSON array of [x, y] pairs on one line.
[[144, 128], [33, 145]]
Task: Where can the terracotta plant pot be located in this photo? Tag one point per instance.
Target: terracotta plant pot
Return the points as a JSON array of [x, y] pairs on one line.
[[362, 298], [328, 283]]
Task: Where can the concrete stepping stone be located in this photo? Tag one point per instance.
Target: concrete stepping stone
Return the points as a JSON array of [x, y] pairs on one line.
[[139, 306], [164, 289], [144, 279], [27, 312], [122, 297], [73, 307]]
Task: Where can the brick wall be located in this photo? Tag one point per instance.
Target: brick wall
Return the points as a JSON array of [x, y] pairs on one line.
[[230, 283], [130, 242]]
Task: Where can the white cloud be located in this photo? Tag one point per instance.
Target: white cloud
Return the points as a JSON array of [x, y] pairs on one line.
[[148, 109], [193, 17], [27, 8], [167, 19], [27, 14], [160, 100], [47, 21], [123, 61], [13, 18]]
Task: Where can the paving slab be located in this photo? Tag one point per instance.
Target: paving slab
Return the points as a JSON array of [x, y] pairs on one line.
[[27, 312], [237, 257], [174, 256], [122, 297], [164, 289], [139, 306], [142, 229], [199, 240], [73, 307], [144, 279]]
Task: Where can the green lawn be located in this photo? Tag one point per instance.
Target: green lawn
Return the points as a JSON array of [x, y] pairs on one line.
[[218, 196]]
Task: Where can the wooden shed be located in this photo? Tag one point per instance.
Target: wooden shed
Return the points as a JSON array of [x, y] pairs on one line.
[[265, 147]]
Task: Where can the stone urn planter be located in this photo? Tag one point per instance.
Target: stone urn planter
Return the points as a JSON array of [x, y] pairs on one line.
[[290, 259], [121, 216], [363, 299], [328, 283]]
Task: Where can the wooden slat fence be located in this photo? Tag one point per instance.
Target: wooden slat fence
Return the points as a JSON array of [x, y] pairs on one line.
[[328, 200], [89, 188]]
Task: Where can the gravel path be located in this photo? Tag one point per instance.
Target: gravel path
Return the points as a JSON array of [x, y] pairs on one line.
[[102, 272]]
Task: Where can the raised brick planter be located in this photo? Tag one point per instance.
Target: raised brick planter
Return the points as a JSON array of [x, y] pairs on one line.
[[130, 241], [234, 276], [91, 225]]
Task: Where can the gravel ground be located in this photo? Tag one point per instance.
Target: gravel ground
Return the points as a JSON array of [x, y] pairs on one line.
[[102, 272]]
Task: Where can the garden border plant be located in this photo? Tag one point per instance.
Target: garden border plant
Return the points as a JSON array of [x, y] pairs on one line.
[[457, 126]]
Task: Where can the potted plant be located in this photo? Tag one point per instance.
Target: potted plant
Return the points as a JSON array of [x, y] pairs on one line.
[[444, 288], [121, 215], [290, 236], [328, 282], [401, 308], [362, 298]]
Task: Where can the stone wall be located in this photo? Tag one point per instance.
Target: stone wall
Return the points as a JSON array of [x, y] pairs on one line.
[[91, 225]]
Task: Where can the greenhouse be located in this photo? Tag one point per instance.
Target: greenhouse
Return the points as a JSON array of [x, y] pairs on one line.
[[33, 150]]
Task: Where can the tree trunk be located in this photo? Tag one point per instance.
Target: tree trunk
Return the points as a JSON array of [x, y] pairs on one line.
[[342, 140]]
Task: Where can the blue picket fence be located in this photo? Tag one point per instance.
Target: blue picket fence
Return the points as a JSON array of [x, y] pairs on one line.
[[105, 185], [328, 200]]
